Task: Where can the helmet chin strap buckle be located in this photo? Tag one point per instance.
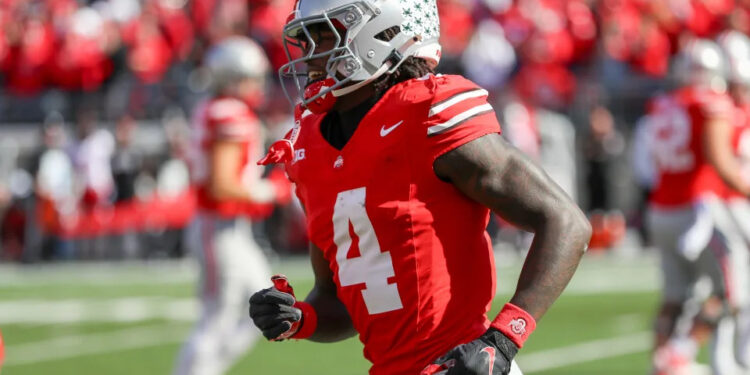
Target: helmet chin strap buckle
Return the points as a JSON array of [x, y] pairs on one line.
[[351, 88], [394, 58]]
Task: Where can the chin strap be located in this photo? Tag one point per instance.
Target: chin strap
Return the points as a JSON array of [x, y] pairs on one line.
[[349, 89], [389, 65]]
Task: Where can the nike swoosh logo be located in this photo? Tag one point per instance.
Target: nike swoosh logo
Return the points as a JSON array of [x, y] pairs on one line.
[[491, 353], [384, 131]]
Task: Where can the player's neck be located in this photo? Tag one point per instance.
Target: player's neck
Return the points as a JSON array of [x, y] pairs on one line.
[[347, 102], [340, 124]]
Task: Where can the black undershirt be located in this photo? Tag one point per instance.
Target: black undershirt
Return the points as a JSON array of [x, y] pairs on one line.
[[338, 127]]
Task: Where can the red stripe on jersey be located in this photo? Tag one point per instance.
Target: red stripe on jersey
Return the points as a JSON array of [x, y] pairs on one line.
[[720, 252]]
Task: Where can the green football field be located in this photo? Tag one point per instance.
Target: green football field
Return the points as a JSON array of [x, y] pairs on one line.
[[130, 318]]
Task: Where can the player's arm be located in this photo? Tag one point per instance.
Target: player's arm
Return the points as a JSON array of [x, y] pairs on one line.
[[491, 172], [718, 152], [334, 322], [224, 180]]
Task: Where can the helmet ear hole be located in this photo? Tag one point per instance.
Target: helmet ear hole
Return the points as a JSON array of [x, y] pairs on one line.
[[388, 34]]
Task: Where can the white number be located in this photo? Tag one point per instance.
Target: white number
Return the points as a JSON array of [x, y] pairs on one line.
[[372, 267], [671, 140]]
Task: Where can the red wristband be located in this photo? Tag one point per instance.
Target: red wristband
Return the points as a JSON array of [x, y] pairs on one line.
[[515, 323], [309, 320]]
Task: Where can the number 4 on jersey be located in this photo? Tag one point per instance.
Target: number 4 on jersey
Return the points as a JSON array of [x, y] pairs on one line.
[[372, 267]]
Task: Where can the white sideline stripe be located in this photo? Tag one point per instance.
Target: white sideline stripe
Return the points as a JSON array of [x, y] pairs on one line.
[[587, 280], [585, 352], [131, 309], [97, 343], [457, 99], [458, 118]]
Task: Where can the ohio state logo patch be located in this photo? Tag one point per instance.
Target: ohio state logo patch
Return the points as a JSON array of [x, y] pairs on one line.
[[518, 326], [339, 162]]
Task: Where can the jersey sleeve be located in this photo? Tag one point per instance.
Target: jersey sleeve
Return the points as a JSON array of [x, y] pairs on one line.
[[458, 113], [231, 120]]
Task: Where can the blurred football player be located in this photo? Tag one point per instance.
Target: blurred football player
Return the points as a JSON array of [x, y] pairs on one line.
[[398, 169], [736, 47], [689, 134], [230, 190]]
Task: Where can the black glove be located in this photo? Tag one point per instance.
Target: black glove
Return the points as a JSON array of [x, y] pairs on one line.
[[273, 312], [492, 353]]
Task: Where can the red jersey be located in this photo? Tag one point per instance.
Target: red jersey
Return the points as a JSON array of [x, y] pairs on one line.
[[226, 119], [409, 252], [741, 144], [679, 119]]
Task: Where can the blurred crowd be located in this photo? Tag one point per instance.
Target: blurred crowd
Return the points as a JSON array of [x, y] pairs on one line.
[[109, 88], [119, 56]]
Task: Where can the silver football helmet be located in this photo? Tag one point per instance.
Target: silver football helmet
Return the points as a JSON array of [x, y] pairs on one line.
[[362, 52], [736, 46], [235, 58], [701, 62]]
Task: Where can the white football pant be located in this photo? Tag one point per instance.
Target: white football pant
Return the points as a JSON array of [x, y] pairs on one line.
[[739, 208], [701, 241], [233, 267]]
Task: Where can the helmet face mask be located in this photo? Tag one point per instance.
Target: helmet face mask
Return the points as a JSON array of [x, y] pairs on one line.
[[361, 53], [300, 37], [340, 61]]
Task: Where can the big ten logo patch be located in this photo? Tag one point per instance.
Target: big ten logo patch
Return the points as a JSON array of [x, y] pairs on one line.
[[298, 155]]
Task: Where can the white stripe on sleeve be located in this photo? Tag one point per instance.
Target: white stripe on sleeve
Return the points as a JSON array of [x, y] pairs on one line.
[[437, 108], [459, 118], [233, 130]]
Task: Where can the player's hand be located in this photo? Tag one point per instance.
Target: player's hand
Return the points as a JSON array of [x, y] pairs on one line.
[[273, 311], [492, 353]]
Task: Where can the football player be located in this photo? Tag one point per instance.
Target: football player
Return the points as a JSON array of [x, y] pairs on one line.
[[398, 169], [689, 134], [230, 191]]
